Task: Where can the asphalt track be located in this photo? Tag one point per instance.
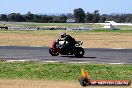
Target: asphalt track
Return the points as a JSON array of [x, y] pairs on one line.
[[92, 55]]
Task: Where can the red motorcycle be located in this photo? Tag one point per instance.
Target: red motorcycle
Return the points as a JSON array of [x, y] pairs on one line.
[[56, 49]]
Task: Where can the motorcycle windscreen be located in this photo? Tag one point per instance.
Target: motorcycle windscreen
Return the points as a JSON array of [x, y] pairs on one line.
[[62, 42]]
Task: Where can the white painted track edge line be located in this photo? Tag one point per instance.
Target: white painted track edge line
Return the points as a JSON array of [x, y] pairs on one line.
[[72, 62]]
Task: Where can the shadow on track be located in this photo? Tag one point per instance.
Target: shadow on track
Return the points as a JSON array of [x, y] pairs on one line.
[[77, 57]]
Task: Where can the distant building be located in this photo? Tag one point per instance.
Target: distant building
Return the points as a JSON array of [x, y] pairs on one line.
[[111, 22], [109, 26], [70, 20]]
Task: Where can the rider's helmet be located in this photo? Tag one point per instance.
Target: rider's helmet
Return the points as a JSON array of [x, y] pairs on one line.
[[63, 35]]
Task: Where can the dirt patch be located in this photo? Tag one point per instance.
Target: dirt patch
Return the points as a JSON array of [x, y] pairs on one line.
[[47, 84], [90, 39]]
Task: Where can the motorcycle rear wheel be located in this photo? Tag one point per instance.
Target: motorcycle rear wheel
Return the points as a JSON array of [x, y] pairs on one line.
[[79, 52]]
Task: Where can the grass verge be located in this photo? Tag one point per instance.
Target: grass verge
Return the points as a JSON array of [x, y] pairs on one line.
[[33, 24], [61, 71]]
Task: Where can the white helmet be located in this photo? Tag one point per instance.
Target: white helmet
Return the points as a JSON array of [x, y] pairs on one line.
[[63, 35]]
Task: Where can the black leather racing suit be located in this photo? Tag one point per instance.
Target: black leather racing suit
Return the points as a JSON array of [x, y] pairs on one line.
[[71, 42]]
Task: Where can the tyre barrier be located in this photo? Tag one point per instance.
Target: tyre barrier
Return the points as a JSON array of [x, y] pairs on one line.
[[51, 28]]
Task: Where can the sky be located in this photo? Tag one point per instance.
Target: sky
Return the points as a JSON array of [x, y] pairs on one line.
[[65, 6]]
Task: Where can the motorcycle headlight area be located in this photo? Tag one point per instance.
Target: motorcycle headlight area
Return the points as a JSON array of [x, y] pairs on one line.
[[77, 45], [61, 42]]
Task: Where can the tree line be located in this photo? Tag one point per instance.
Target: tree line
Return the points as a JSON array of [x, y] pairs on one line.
[[79, 15]]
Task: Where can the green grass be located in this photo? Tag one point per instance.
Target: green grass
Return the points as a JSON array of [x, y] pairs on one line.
[[62, 25], [107, 30], [32, 24], [124, 26], [60, 71], [43, 31]]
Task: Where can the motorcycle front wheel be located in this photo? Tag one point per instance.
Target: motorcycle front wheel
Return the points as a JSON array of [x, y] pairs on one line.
[[53, 52]]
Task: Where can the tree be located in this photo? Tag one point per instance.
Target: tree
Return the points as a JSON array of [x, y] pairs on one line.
[[79, 15], [96, 16], [15, 17], [3, 17], [50, 18], [63, 18], [89, 17], [70, 16], [45, 18], [11, 17], [55, 19], [102, 19], [18, 17], [37, 18], [29, 17]]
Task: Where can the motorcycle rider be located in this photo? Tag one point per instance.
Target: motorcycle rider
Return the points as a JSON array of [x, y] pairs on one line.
[[67, 38]]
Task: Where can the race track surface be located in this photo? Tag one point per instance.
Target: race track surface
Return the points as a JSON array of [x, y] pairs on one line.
[[92, 55]]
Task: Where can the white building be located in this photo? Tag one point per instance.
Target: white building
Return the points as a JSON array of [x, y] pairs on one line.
[[109, 26], [70, 20], [111, 22]]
